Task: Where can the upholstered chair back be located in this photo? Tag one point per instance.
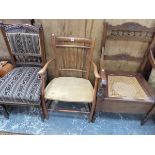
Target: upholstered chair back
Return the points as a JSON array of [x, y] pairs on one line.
[[25, 44]]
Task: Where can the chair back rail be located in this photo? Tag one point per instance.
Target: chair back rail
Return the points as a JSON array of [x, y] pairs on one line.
[[73, 56]]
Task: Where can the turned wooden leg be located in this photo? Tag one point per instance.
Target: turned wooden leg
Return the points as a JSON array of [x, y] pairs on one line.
[[147, 116], [44, 109], [5, 112], [91, 115]]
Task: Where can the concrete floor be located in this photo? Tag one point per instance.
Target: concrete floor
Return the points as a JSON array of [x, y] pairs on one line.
[[28, 121]]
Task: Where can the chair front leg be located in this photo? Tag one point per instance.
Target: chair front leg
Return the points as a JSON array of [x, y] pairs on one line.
[[92, 112], [43, 102], [44, 108], [5, 112], [147, 116]]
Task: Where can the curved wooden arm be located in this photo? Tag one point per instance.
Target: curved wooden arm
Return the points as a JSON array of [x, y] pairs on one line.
[[95, 70], [43, 70], [151, 58]]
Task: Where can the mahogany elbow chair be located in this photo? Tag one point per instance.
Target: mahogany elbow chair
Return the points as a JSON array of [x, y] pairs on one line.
[[121, 91], [22, 85], [73, 57]]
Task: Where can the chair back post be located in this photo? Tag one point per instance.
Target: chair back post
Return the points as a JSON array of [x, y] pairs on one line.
[[105, 27], [146, 65], [102, 63], [145, 58], [42, 45], [57, 74], [89, 57]]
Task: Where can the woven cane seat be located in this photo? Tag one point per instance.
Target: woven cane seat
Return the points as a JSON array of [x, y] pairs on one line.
[[125, 87]]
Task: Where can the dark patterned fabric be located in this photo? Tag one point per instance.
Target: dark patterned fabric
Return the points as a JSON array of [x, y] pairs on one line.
[[24, 43], [22, 28], [22, 84]]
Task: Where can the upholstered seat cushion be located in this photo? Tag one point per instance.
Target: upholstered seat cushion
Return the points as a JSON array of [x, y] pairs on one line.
[[22, 85], [69, 89]]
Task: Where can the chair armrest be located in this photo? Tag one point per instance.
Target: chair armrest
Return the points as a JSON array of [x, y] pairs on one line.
[[43, 70], [95, 70], [102, 67], [103, 77], [151, 58]]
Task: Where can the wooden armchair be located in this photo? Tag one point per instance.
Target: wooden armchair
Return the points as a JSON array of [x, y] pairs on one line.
[[73, 57], [123, 88], [22, 86]]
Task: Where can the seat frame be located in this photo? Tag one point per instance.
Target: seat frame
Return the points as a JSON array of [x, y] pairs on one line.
[[36, 29], [60, 42], [125, 32]]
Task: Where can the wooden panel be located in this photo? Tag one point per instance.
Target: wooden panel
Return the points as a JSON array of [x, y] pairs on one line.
[[94, 29], [122, 107], [132, 48], [121, 65]]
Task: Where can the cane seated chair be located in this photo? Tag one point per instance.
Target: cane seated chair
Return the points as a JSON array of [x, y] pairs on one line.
[[73, 59], [123, 83], [22, 85]]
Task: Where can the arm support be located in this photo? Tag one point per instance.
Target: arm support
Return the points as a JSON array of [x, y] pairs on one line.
[[43, 78], [95, 70], [103, 77], [102, 67], [43, 70]]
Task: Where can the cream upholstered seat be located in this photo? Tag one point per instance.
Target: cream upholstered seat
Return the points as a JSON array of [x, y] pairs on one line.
[[70, 89]]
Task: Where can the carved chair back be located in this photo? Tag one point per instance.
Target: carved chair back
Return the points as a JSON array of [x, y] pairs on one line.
[[123, 46], [25, 44], [73, 56]]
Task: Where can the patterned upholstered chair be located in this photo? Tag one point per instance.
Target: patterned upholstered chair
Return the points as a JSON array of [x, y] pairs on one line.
[[22, 86], [73, 59]]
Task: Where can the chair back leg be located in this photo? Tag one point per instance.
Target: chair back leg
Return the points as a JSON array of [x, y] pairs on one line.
[[44, 108], [5, 112], [147, 116]]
